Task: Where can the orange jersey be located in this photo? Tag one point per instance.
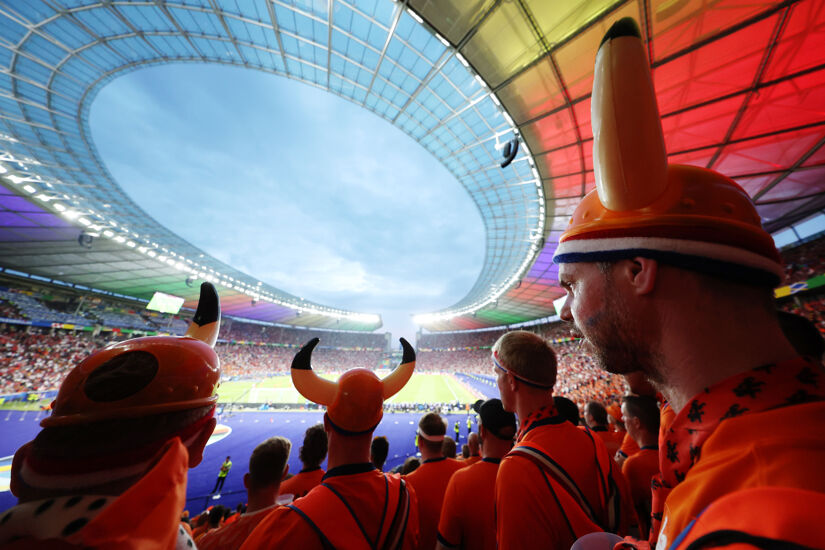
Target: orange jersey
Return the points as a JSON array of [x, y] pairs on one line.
[[776, 448], [430, 483], [232, 535], [629, 445], [146, 515], [529, 513], [794, 520], [612, 440], [468, 516], [638, 469], [469, 461], [354, 508], [302, 483]]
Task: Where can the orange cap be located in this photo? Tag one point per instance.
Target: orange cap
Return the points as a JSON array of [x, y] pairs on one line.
[[145, 376], [355, 403]]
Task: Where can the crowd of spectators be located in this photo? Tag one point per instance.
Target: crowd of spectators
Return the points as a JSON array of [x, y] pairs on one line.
[[812, 307], [804, 261], [452, 341], [297, 337], [241, 360], [37, 360]]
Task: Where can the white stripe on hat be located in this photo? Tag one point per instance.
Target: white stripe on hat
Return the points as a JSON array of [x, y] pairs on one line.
[[714, 251]]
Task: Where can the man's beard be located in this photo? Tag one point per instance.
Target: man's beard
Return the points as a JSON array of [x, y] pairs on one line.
[[616, 343]]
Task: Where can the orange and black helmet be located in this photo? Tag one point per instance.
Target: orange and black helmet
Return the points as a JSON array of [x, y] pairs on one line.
[[355, 403], [145, 376]]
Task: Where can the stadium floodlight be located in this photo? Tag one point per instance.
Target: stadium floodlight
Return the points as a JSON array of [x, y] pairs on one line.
[[108, 234], [29, 188], [120, 239], [415, 16]]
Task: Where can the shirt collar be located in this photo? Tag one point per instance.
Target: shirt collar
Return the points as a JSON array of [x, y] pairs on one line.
[[349, 470]]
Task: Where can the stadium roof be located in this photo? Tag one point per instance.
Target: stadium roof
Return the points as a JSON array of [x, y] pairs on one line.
[[740, 87]]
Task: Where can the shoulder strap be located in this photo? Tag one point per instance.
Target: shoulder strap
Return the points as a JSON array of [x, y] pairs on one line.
[[394, 539], [335, 522], [610, 496], [559, 476], [331, 517]]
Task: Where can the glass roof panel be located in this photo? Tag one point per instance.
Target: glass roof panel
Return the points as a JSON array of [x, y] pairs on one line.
[[740, 85]]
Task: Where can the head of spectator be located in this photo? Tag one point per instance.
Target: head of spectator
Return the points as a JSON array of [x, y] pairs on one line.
[[473, 443], [267, 468], [595, 415], [432, 430], [379, 449], [465, 451], [314, 450], [802, 334], [216, 515], [129, 420], [525, 366], [567, 409], [448, 447], [410, 465], [641, 418], [354, 403], [662, 262], [614, 417], [496, 429]]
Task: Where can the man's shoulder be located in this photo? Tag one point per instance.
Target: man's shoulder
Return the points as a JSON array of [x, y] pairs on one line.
[[473, 473], [791, 426]]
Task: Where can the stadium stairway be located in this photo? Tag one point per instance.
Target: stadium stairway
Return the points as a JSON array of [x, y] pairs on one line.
[[480, 382]]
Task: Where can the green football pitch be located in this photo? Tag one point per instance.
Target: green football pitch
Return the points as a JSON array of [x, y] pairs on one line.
[[422, 388]]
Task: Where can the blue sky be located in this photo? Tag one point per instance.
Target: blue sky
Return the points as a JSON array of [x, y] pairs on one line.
[[293, 185]]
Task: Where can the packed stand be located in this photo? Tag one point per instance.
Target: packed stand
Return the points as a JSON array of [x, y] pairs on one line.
[[297, 337], [37, 360], [31, 308], [812, 307], [250, 361], [804, 261]]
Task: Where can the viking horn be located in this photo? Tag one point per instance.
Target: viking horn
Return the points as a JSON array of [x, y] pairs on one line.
[[310, 385], [629, 157], [207, 320], [398, 378]]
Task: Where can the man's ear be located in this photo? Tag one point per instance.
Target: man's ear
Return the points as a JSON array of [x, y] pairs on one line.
[[639, 273], [286, 471], [511, 380], [196, 448], [246, 480]]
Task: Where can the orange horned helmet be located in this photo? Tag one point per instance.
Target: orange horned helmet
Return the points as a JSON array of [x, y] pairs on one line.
[[354, 403], [685, 216], [145, 376]]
